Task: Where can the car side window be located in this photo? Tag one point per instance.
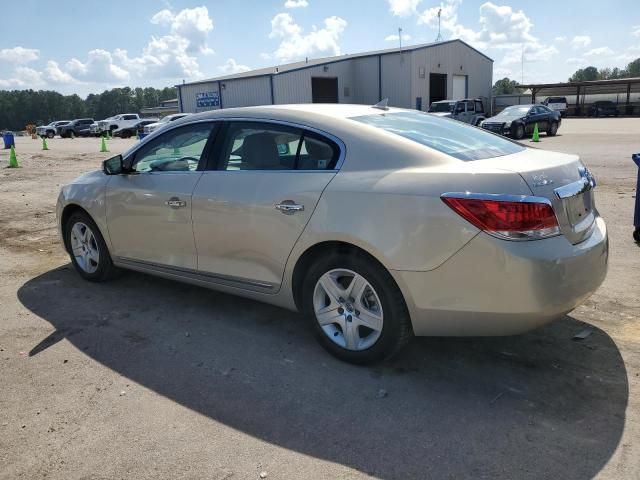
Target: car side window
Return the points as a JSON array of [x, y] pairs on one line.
[[479, 107], [260, 146], [317, 153], [270, 146], [470, 107], [178, 150]]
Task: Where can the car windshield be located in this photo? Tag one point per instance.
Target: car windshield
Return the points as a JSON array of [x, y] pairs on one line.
[[454, 138], [438, 107], [515, 111]]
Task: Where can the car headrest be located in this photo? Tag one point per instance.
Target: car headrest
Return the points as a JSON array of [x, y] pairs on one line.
[[259, 151]]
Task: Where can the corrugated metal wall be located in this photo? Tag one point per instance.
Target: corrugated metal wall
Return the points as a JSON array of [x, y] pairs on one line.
[[452, 59], [359, 80], [246, 91], [295, 86], [188, 92], [396, 79]]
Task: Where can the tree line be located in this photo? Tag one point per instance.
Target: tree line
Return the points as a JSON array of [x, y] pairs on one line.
[[19, 108], [506, 86]]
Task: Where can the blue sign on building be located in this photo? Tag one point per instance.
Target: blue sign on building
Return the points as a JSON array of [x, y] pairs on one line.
[[207, 99]]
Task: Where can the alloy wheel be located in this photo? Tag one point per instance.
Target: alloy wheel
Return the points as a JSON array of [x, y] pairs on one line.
[[85, 247], [348, 309]]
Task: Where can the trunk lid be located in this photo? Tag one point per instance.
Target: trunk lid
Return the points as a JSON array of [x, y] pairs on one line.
[[564, 180]]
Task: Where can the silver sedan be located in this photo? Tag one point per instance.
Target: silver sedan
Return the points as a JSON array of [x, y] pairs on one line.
[[377, 223]]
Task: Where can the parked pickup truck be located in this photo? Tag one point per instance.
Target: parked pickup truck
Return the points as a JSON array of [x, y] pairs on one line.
[[50, 130], [469, 110], [116, 122]]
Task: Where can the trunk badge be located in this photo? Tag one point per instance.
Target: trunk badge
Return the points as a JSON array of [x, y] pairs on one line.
[[541, 180]]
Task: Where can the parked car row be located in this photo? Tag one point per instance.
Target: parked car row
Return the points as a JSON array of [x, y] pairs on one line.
[[125, 125]]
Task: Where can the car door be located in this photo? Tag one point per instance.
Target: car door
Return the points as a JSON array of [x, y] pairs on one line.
[[249, 211], [149, 209]]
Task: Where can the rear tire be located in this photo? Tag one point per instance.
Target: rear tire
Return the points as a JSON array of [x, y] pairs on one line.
[[636, 235], [377, 301], [87, 249], [553, 129]]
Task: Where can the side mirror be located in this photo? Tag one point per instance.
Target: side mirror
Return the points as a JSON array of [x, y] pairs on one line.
[[113, 165]]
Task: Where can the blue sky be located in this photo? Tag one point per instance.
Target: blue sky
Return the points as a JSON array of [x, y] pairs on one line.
[[84, 47]]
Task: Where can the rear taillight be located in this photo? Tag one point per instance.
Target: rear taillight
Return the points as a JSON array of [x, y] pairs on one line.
[[510, 217]]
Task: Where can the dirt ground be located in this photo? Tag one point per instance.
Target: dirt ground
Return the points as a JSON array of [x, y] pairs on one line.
[[145, 378]]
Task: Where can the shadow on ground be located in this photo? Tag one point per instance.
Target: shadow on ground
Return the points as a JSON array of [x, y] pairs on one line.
[[533, 406]]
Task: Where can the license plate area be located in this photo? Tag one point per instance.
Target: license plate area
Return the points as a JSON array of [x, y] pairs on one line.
[[579, 207]]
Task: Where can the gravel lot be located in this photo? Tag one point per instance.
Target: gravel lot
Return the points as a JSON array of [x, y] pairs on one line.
[[145, 378]]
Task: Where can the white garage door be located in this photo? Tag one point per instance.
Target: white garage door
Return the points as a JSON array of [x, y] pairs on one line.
[[459, 87]]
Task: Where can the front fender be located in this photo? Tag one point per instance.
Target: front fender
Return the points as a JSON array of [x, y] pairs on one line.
[[89, 193]]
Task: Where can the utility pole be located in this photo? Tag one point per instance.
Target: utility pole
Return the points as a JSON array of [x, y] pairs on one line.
[[400, 37], [439, 37], [522, 67]]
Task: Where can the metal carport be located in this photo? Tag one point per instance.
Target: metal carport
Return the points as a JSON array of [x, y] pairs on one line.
[[625, 86]]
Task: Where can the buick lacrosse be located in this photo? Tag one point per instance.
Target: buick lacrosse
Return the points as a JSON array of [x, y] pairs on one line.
[[377, 223]]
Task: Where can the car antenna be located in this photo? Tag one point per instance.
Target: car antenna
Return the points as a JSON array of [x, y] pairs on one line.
[[382, 104]]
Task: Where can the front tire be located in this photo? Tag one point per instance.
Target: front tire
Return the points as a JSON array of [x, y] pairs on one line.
[[518, 134], [553, 129], [357, 310], [50, 135], [87, 249]]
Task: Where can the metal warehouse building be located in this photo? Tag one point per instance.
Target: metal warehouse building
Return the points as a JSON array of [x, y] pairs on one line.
[[410, 77]]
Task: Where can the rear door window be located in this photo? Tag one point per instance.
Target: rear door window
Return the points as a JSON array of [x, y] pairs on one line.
[[271, 146]]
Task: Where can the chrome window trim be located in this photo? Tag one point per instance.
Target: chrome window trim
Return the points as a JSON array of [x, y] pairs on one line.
[[145, 140], [167, 128], [498, 197], [330, 136]]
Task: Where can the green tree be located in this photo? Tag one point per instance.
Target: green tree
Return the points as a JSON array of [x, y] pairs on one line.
[[584, 75], [506, 86], [633, 68]]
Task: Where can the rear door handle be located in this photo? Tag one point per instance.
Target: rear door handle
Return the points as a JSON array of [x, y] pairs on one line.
[[175, 202], [289, 207]]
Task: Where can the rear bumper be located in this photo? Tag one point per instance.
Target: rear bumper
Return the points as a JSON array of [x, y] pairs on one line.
[[497, 287]]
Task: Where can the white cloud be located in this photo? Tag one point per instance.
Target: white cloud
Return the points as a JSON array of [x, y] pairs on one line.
[[581, 41], [500, 26], [296, 4], [635, 31], [19, 55], [598, 52], [296, 44], [55, 74], [576, 61], [99, 67], [502, 72], [394, 38], [403, 8], [190, 24], [560, 39], [231, 66], [23, 77]]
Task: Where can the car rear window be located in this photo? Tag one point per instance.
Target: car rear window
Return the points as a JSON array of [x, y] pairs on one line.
[[557, 100], [454, 138]]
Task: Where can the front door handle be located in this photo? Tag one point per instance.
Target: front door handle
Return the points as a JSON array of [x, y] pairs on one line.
[[175, 202], [289, 207]]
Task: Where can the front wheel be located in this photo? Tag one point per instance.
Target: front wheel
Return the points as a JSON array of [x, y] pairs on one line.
[[636, 235], [357, 311], [50, 135], [87, 249], [518, 134], [553, 129]]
